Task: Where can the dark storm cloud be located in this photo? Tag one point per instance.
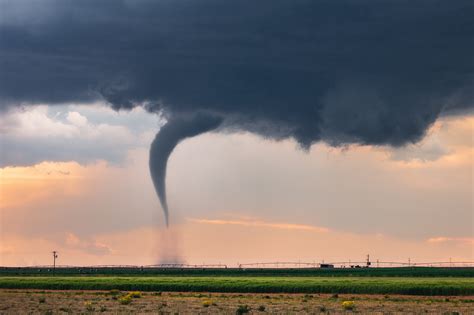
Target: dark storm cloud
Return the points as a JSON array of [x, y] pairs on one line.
[[365, 71]]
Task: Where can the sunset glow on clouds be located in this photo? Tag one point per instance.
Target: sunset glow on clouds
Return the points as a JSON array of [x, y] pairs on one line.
[[259, 223], [202, 242], [82, 187]]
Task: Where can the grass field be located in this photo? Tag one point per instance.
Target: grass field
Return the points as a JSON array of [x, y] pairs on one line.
[[111, 302], [255, 284]]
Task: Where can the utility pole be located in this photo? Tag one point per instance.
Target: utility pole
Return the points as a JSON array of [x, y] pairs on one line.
[[55, 255]]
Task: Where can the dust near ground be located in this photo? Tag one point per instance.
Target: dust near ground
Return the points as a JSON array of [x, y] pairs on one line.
[[108, 302]]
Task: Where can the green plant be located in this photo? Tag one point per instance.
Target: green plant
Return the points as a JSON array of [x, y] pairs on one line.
[[428, 286], [242, 309], [348, 305], [261, 308], [114, 292], [322, 309]]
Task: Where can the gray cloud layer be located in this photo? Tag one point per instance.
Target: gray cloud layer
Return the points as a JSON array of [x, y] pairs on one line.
[[370, 71], [65, 133]]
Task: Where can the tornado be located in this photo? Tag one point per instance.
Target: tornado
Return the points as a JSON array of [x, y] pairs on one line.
[[169, 136]]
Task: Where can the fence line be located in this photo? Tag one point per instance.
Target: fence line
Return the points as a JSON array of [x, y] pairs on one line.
[[272, 265]]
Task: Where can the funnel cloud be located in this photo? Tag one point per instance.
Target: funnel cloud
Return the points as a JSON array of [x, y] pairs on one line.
[[176, 130]]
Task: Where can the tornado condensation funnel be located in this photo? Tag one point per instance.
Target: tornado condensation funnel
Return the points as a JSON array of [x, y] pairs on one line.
[[175, 130]]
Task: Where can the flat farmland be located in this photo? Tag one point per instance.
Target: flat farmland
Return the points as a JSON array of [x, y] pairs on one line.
[[109, 302], [427, 286]]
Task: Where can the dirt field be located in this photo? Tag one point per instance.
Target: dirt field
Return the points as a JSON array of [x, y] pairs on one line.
[[77, 302]]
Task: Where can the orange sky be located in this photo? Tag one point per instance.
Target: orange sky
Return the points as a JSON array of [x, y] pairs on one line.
[[229, 207]]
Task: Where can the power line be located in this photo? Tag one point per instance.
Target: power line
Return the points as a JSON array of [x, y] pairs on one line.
[[55, 255]]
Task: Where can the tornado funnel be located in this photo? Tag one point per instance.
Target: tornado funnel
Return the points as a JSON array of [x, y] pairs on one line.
[[175, 130]]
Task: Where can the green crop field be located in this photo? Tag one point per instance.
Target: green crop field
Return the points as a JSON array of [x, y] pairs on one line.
[[255, 284]]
